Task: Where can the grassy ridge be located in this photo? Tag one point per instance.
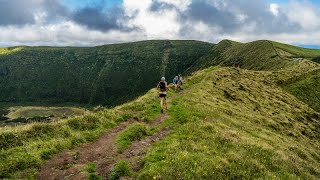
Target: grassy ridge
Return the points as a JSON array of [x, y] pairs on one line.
[[307, 90], [225, 124], [230, 125], [297, 51], [257, 55], [108, 75], [24, 148]]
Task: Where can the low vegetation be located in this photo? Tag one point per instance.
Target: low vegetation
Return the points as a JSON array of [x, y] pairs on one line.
[[24, 148], [307, 90], [293, 51], [107, 75], [131, 133], [226, 123], [257, 55], [236, 125], [121, 169]]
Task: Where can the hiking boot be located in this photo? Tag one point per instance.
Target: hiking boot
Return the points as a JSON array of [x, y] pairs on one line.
[[162, 111]]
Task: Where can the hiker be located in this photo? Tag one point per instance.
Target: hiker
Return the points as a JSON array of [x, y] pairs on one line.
[[175, 82], [163, 86], [180, 82]]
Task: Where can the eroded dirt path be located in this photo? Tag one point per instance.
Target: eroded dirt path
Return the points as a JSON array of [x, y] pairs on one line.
[[68, 164], [103, 152]]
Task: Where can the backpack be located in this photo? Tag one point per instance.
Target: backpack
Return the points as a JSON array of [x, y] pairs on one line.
[[162, 86]]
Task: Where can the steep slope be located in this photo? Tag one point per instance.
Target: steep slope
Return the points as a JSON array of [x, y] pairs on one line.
[[257, 55], [227, 123], [236, 125], [296, 52], [107, 75], [307, 89]]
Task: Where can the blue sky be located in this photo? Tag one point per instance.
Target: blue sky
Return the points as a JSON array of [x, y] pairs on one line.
[[96, 22], [77, 4]]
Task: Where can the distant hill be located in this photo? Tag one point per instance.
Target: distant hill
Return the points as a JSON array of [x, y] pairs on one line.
[[107, 75], [225, 124], [260, 121], [113, 74], [257, 55]]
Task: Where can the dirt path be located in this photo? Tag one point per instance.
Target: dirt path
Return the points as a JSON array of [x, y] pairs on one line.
[[165, 58], [68, 164], [103, 152]]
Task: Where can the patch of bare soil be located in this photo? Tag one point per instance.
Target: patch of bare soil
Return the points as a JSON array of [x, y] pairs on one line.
[[68, 164]]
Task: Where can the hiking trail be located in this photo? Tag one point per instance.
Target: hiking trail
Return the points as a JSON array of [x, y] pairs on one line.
[[165, 58], [70, 163]]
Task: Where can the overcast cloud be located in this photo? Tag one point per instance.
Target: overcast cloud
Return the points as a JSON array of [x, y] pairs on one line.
[[52, 22]]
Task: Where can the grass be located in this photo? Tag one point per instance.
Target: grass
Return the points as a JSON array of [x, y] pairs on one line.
[[25, 148], [307, 90], [34, 111], [91, 169], [257, 55], [297, 51], [257, 131], [227, 123], [121, 169], [6, 51], [130, 134]]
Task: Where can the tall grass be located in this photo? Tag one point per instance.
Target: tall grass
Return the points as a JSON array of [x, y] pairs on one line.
[[25, 148], [258, 131]]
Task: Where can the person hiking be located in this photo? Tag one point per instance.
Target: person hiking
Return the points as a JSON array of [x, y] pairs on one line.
[[180, 82], [163, 86], [175, 83]]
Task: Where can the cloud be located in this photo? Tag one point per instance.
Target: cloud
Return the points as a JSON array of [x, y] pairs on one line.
[[303, 13], [50, 22], [160, 24], [98, 19], [22, 12], [67, 33], [10, 14], [274, 9]]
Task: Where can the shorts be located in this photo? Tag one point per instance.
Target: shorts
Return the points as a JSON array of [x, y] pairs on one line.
[[163, 95]]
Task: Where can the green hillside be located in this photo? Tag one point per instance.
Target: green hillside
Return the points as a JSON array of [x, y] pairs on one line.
[[257, 122], [225, 124], [108, 74], [236, 126], [293, 51], [307, 89], [257, 55]]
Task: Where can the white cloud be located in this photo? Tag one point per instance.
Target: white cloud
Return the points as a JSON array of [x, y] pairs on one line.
[[182, 5], [166, 23], [160, 24], [303, 13], [274, 9], [62, 34]]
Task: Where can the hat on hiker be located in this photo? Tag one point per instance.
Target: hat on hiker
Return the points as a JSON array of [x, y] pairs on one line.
[[163, 79]]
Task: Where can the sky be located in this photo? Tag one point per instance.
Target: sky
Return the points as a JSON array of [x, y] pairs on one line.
[[97, 22]]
